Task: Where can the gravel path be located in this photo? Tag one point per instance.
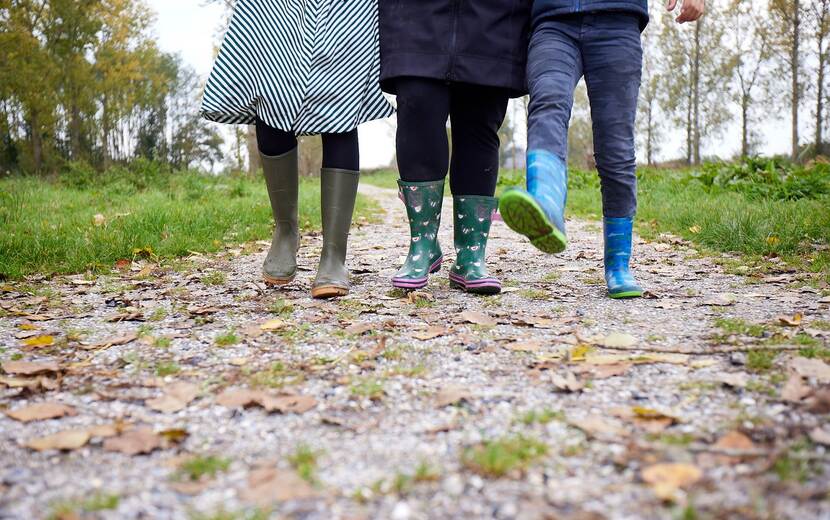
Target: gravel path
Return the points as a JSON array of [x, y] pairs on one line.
[[654, 408]]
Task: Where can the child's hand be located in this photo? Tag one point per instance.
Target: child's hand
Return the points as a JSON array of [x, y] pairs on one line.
[[691, 10]]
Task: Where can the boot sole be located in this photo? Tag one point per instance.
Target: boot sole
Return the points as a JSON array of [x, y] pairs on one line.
[[328, 291], [626, 295], [523, 215], [272, 280], [417, 283], [483, 286]]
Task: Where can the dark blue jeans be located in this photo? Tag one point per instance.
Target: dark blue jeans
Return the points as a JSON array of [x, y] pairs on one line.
[[606, 49]]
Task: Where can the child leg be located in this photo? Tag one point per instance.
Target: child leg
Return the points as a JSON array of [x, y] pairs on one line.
[[423, 159], [613, 60], [338, 180], [554, 68]]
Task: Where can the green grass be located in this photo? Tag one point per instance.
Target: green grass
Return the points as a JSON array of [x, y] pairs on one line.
[[500, 457], [758, 216], [760, 360], [48, 225], [304, 461], [203, 466], [226, 339]]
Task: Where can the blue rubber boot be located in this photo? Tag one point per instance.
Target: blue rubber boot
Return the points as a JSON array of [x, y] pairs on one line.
[[539, 212], [621, 283]]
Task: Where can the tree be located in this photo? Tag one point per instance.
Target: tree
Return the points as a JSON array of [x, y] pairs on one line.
[[697, 70], [749, 33], [820, 10], [786, 43], [649, 122]]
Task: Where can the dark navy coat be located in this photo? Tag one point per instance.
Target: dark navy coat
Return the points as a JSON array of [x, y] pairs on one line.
[[544, 9], [483, 42]]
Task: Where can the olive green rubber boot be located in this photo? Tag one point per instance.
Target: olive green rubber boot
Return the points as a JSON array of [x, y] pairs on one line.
[[473, 217], [281, 177], [339, 191], [423, 202]]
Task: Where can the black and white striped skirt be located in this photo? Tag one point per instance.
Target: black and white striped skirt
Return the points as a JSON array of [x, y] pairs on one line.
[[303, 66]]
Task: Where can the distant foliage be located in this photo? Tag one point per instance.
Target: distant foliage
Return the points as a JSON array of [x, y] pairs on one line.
[[768, 178]]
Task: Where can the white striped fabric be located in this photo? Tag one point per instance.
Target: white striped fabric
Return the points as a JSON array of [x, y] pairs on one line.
[[303, 66]]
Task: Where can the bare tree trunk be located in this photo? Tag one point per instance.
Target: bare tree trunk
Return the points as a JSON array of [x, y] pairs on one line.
[[696, 94], [650, 133], [794, 64], [689, 130], [75, 132], [37, 142], [254, 162], [744, 125]]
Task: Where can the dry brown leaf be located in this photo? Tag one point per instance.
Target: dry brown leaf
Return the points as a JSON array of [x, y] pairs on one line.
[[733, 379], [288, 403], [432, 332], [719, 300], [478, 318], [122, 339], [820, 436], [791, 321], [415, 296], [648, 419], [812, 368], [531, 345], [567, 382], [618, 340], [735, 440], [41, 411], [795, 390], [603, 371], [819, 402], [450, 395], [30, 368], [176, 397], [197, 310], [667, 479], [360, 328], [135, 442], [32, 383], [272, 325], [237, 398], [269, 486], [65, 440], [598, 426], [662, 357]]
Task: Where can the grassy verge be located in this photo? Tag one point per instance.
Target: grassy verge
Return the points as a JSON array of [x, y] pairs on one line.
[[83, 221], [762, 209]]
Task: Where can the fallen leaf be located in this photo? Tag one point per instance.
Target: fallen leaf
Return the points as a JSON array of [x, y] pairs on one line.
[[30, 368], [237, 398], [567, 382], [134, 442], [451, 395], [524, 345], [579, 353], [618, 340], [176, 397], [596, 425], [269, 486], [648, 419], [661, 357], [432, 332], [41, 411], [819, 402], [735, 440], [357, 329], [733, 379], [65, 440], [811, 368], [719, 300], [122, 339], [272, 325], [415, 296], [791, 321], [820, 436], [288, 403], [31, 383], [201, 310], [602, 371], [99, 220], [39, 342], [795, 390], [478, 318], [667, 479]]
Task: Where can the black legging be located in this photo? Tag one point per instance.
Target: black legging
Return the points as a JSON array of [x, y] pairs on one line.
[[339, 150], [476, 113]]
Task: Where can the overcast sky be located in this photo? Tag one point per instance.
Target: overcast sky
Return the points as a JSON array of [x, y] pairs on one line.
[[187, 27]]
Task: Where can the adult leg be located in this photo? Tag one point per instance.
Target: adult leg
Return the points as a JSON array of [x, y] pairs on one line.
[[423, 159], [476, 114], [278, 150], [339, 180], [613, 60], [554, 68]]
